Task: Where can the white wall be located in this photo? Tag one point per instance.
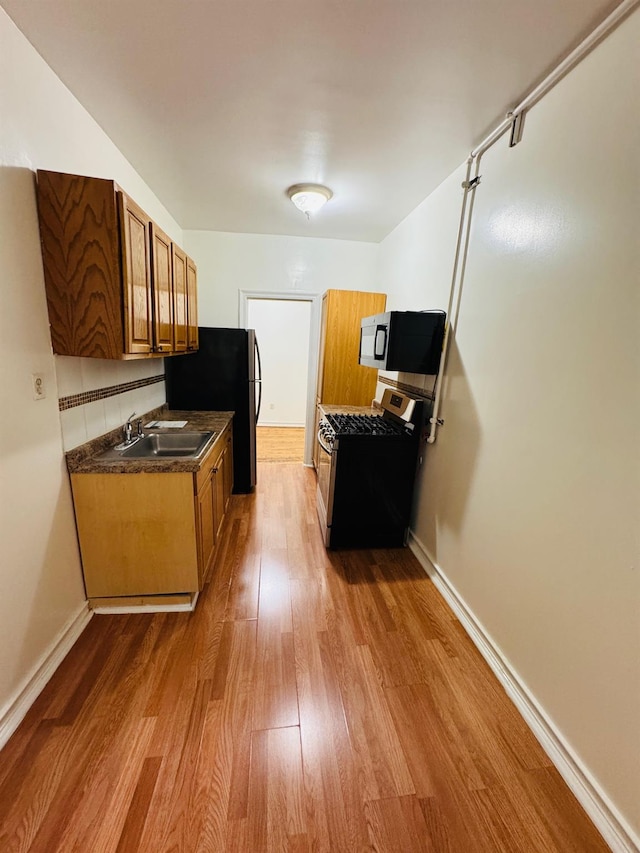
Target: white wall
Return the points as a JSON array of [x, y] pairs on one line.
[[43, 126], [228, 263], [529, 502], [283, 331]]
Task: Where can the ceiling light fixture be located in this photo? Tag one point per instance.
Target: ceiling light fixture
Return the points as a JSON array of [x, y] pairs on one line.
[[309, 198]]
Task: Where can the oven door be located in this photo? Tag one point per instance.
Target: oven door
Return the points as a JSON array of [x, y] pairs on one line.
[[326, 471]]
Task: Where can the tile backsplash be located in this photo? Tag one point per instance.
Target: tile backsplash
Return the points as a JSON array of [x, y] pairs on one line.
[[97, 395], [84, 397]]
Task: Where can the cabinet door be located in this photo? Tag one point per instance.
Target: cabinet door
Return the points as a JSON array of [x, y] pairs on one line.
[[136, 271], [162, 281], [218, 482], [82, 257], [192, 305], [179, 299], [207, 527], [227, 471], [137, 533], [219, 503]]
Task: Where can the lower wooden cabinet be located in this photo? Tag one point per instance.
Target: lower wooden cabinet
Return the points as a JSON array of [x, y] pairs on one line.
[[214, 482], [146, 534]]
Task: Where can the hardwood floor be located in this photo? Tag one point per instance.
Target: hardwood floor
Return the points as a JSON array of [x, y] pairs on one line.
[[313, 701], [280, 444]]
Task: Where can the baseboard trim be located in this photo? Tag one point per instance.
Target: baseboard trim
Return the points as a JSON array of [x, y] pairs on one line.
[[281, 426], [611, 825], [151, 607], [16, 709]]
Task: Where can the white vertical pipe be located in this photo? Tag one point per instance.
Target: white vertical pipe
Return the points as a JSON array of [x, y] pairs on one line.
[[445, 343], [464, 228]]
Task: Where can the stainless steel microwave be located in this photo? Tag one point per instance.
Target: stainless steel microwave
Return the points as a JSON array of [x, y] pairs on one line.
[[410, 341]]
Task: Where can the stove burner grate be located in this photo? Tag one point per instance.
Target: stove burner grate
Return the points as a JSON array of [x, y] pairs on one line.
[[346, 424]]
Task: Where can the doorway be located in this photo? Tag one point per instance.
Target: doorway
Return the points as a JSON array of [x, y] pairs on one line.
[[286, 327]]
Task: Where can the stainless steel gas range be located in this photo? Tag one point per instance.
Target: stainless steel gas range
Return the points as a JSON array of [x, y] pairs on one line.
[[366, 472]]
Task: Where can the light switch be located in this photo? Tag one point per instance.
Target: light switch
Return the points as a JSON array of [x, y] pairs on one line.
[[39, 391]]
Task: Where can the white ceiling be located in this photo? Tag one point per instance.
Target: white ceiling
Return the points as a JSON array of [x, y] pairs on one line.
[[220, 105]]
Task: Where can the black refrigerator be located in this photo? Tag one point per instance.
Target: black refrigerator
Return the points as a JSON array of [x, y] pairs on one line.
[[223, 375]]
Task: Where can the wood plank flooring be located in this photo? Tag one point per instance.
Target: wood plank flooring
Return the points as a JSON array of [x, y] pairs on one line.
[[279, 444], [314, 701]]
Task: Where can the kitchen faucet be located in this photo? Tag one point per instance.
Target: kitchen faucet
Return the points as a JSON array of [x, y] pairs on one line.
[[127, 429]]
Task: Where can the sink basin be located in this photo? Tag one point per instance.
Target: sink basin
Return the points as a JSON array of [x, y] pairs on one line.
[[181, 445]]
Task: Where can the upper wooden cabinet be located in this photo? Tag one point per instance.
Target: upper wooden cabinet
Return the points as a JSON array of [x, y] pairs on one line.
[[192, 305], [136, 266], [341, 380], [180, 300], [117, 286], [162, 288]]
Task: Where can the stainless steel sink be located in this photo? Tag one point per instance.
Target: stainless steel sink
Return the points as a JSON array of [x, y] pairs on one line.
[[159, 445]]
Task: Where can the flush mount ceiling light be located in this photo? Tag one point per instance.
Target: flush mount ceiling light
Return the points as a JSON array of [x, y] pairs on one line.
[[309, 198]]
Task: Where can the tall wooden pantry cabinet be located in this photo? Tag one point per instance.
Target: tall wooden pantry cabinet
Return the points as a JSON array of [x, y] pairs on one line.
[[341, 380]]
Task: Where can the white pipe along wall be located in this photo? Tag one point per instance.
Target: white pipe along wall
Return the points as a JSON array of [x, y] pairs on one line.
[[514, 117], [526, 509]]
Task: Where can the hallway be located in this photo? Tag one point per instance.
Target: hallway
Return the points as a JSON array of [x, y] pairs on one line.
[[313, 701]]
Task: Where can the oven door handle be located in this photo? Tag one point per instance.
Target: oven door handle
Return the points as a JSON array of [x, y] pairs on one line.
[[323, 445]]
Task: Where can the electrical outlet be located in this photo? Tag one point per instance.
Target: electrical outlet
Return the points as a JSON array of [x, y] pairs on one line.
[[39, 391]]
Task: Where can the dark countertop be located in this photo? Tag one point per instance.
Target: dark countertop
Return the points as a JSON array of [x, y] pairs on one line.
[[83, 459]]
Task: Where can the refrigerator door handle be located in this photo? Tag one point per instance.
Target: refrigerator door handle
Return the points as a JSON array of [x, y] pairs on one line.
[[258, 359], [259, 379]]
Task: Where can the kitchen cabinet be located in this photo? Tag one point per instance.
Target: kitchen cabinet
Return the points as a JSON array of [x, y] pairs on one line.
[[192, 306], [67, 333], [341, 380], [214, 482], [144, 535], [162, 289], [180, 299], [117, 287]]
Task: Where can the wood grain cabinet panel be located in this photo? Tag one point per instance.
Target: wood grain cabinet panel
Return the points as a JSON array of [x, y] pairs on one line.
[[227, 471], [341, 380], [214, 483], [136, 265], [109, 273], [180, 297], [207, 528], [79, 234], [192, 305], [137, 533], [162, 280], [151, 534]]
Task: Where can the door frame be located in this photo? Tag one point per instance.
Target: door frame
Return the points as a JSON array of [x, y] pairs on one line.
[[315, 299]]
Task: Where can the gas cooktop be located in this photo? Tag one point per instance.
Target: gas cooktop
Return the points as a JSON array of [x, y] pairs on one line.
[[364, 425]]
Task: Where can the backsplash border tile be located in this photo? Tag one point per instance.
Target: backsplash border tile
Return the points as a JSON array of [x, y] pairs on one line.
[[84, 397]]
